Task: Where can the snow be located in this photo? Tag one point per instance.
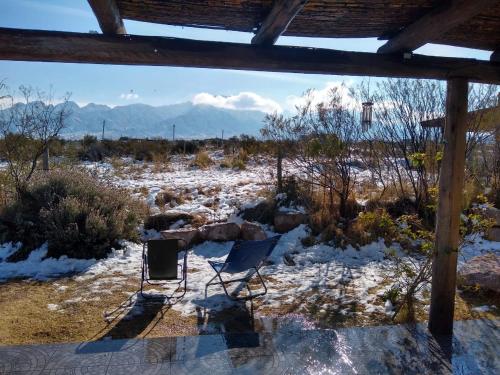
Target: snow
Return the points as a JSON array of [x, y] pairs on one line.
[[321, 275], [37, 267], [476, 245], [52, 307], [484, 308]]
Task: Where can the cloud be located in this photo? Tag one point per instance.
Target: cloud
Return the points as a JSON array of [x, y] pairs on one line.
[[242, 101], [130, 96], [321, 95]]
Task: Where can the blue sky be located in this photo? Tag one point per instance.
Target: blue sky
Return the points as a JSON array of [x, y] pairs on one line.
[[121, 85]]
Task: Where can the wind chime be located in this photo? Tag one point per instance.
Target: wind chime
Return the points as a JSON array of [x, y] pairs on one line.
[[367, 112]]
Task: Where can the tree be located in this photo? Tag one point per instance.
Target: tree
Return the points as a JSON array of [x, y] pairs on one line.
[[26, 129]]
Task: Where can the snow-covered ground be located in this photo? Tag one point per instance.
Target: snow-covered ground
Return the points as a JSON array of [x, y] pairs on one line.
[[319, 275], [214, 192]]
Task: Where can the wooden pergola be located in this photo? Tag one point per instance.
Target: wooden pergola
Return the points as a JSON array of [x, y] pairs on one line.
[[405, 24]]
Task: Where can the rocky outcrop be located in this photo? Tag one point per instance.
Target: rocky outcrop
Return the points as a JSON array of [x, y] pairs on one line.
[[288, 220], [483, 271], [252, 231], [220, 232], [187, 236]]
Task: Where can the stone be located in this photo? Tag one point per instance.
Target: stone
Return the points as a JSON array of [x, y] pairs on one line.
[[286, 221], [252, 231], [482, 270], [188, 236], [492, 213], [164, 220], [220, 232], [493, 234], [261, 212]]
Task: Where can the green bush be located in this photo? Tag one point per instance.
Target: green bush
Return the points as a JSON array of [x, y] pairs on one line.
[[378, 224], [73, 212]]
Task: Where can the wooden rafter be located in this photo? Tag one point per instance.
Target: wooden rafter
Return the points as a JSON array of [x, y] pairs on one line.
[[277, 21], [57, 46], [495, 56], [108, 16], [434, 24]]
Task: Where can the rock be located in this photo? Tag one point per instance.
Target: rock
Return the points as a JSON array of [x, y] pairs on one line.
[[482, 270], [492, 213], [286, 221], [261, 212], [288, 260], [493, 234], [188, 236], [164, 220], [252, 231], [220, 232]]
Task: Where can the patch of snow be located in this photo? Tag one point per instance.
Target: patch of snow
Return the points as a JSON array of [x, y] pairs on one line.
[[483, 309], [37, 267], [476, 245], [52, 307]]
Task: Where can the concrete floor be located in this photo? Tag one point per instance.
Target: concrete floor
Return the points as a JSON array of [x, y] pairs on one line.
[[474, 348]]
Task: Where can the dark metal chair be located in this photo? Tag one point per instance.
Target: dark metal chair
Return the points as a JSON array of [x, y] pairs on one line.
[[244, 256], [160, 265]]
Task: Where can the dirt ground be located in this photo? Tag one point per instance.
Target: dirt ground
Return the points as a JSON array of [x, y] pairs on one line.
[[26, 319]]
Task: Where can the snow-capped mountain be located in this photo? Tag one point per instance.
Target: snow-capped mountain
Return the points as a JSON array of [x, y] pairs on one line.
[[141, 121]]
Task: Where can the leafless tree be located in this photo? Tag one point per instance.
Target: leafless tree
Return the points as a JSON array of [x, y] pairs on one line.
[[28, 123]]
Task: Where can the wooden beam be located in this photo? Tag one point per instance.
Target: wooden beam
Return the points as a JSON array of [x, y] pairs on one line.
[[108, 16], [434, 24], [451, 182], [56, 46], [495, 56], [277, 21]]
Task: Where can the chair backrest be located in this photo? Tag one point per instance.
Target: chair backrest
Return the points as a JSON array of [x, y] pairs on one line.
[[245, 255], [162, 259]]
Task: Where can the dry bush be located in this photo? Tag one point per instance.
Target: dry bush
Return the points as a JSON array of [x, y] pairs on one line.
[[76, 214], [168, 196], [202, 160]]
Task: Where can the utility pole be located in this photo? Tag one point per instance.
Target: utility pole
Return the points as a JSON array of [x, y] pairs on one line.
[[103, 126], [222, 139], [173, 132]]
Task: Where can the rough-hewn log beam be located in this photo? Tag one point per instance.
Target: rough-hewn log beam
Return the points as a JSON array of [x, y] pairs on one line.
[[451, 181], [277, 21], [495, 56], [435, 23], [108, 16], [56, 46]]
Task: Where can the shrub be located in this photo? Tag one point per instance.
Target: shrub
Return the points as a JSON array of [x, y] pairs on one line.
[[202, 160], [167, 196], [73, 212], [164, 220], [238, 163], [377, 224]]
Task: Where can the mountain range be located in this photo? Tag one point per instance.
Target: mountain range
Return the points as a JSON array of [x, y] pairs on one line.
[[145, 121]]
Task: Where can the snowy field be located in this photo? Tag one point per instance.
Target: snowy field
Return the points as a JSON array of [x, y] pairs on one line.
[[349, 281]]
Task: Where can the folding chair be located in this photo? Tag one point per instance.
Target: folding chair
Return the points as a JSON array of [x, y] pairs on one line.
[[160, 265], [244, 256]]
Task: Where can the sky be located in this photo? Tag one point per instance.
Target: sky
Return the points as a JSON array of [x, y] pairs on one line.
[[121, 85]]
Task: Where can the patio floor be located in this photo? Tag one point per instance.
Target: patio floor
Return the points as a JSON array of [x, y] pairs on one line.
[[402, 349]]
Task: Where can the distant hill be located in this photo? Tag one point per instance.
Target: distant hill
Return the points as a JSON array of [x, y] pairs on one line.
[[141, 121]]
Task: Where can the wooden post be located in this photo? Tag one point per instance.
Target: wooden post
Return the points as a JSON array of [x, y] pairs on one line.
[[451, 181]]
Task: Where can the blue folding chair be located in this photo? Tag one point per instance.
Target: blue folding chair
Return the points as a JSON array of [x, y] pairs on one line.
[[244, 256]]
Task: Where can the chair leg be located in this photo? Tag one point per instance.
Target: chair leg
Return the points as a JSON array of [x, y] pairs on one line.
[[245, 280]]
